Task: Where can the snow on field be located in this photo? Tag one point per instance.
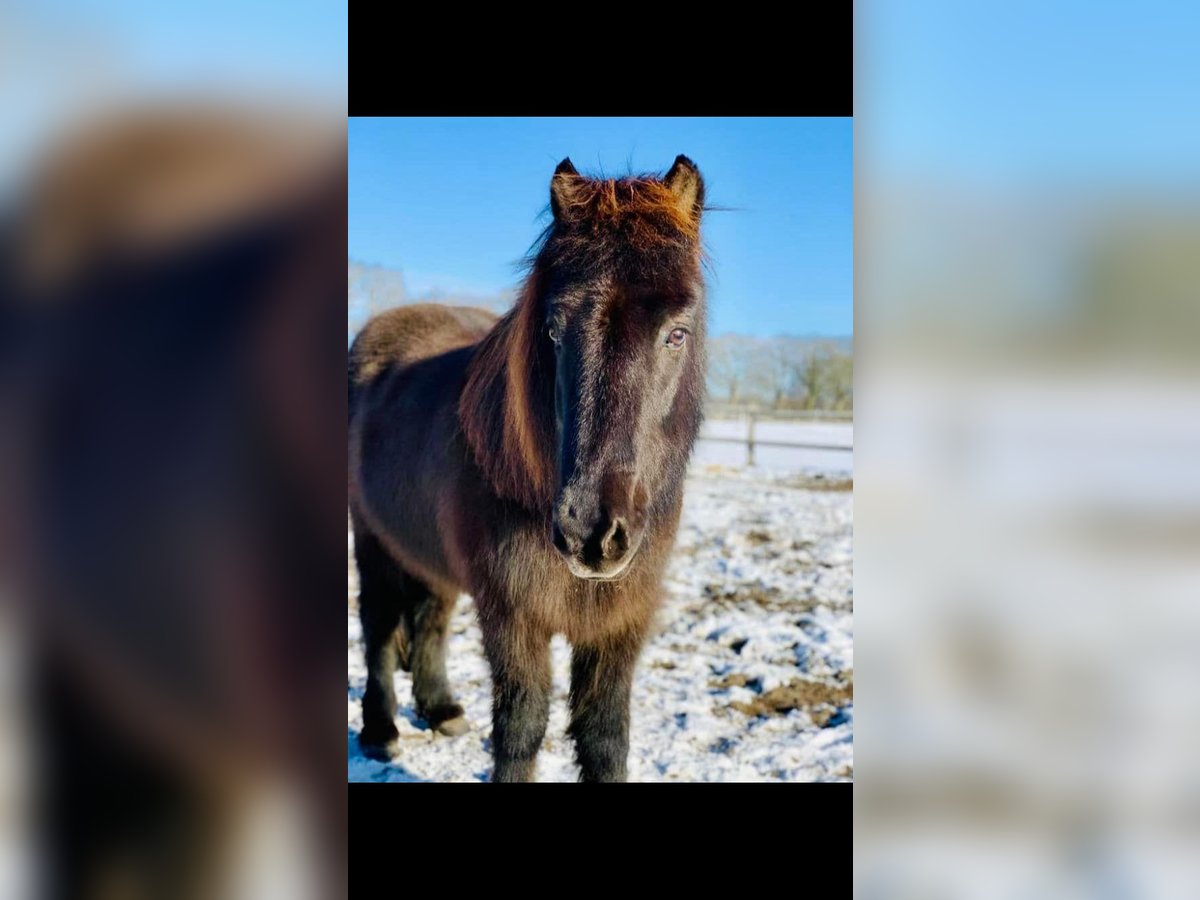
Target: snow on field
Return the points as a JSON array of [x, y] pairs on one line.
[[749, 676]]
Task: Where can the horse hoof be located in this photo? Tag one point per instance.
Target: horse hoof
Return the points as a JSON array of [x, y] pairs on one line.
[[440, 716], [454, 727], [384, 752]]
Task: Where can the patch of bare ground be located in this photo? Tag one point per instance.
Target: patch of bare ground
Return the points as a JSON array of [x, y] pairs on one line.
[[735, 679], [819, 482], [820, 699], [768, 597]]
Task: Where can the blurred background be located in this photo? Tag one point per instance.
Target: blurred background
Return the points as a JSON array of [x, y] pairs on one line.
[[749, 675], [1027, 491], [172, 229]]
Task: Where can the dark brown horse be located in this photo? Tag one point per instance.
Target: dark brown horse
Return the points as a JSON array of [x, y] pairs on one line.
[[536, 462]]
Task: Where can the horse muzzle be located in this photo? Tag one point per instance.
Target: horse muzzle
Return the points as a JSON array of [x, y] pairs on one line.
[[600, 547]]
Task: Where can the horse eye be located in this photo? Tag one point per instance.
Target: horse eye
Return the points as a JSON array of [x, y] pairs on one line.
[[676, 338], [552, 331]]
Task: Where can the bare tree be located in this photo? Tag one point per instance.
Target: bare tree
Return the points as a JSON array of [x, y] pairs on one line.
[[781, 372], [811, 380], [370, 290], [782, 364], [825, 376], [731, 372], [840, 382]]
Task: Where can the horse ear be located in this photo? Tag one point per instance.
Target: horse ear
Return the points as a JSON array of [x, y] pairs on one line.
[[561, 187], [685, 183]]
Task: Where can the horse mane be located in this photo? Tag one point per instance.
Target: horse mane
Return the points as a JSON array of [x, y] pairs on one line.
[[506, 407], [506, 423]]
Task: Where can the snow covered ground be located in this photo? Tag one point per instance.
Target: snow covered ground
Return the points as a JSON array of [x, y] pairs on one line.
[[749, 676]]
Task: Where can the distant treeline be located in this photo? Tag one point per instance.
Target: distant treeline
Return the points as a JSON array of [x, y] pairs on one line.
[[783, 372]]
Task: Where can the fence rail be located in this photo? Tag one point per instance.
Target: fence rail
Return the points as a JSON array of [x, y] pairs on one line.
[[720, 411], [751, 441]]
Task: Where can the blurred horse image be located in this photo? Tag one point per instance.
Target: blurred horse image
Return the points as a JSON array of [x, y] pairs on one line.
[[168, 380]]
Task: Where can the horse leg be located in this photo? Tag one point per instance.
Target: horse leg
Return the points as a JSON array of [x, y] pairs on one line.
[[430, 618], [519, 656], [380, 609], [601, 680]]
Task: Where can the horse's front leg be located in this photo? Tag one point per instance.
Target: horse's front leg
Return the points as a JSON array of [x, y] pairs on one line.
[[601, 680], [519, 655]]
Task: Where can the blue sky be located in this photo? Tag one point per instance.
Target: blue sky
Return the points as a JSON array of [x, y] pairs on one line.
[[300, 44], [65, 60], [1071, 94], [454, 203]]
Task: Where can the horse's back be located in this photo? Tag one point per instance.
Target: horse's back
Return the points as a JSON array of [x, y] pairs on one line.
[[406, 335], [407, 369]]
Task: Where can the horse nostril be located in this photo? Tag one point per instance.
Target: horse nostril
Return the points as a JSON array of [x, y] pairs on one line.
[[616, 541], [559, 539]]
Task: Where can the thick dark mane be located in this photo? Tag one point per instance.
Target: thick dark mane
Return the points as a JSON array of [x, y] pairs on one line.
[[504, 408]]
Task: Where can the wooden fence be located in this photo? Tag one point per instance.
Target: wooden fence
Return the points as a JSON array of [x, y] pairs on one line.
[[754, 416]]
